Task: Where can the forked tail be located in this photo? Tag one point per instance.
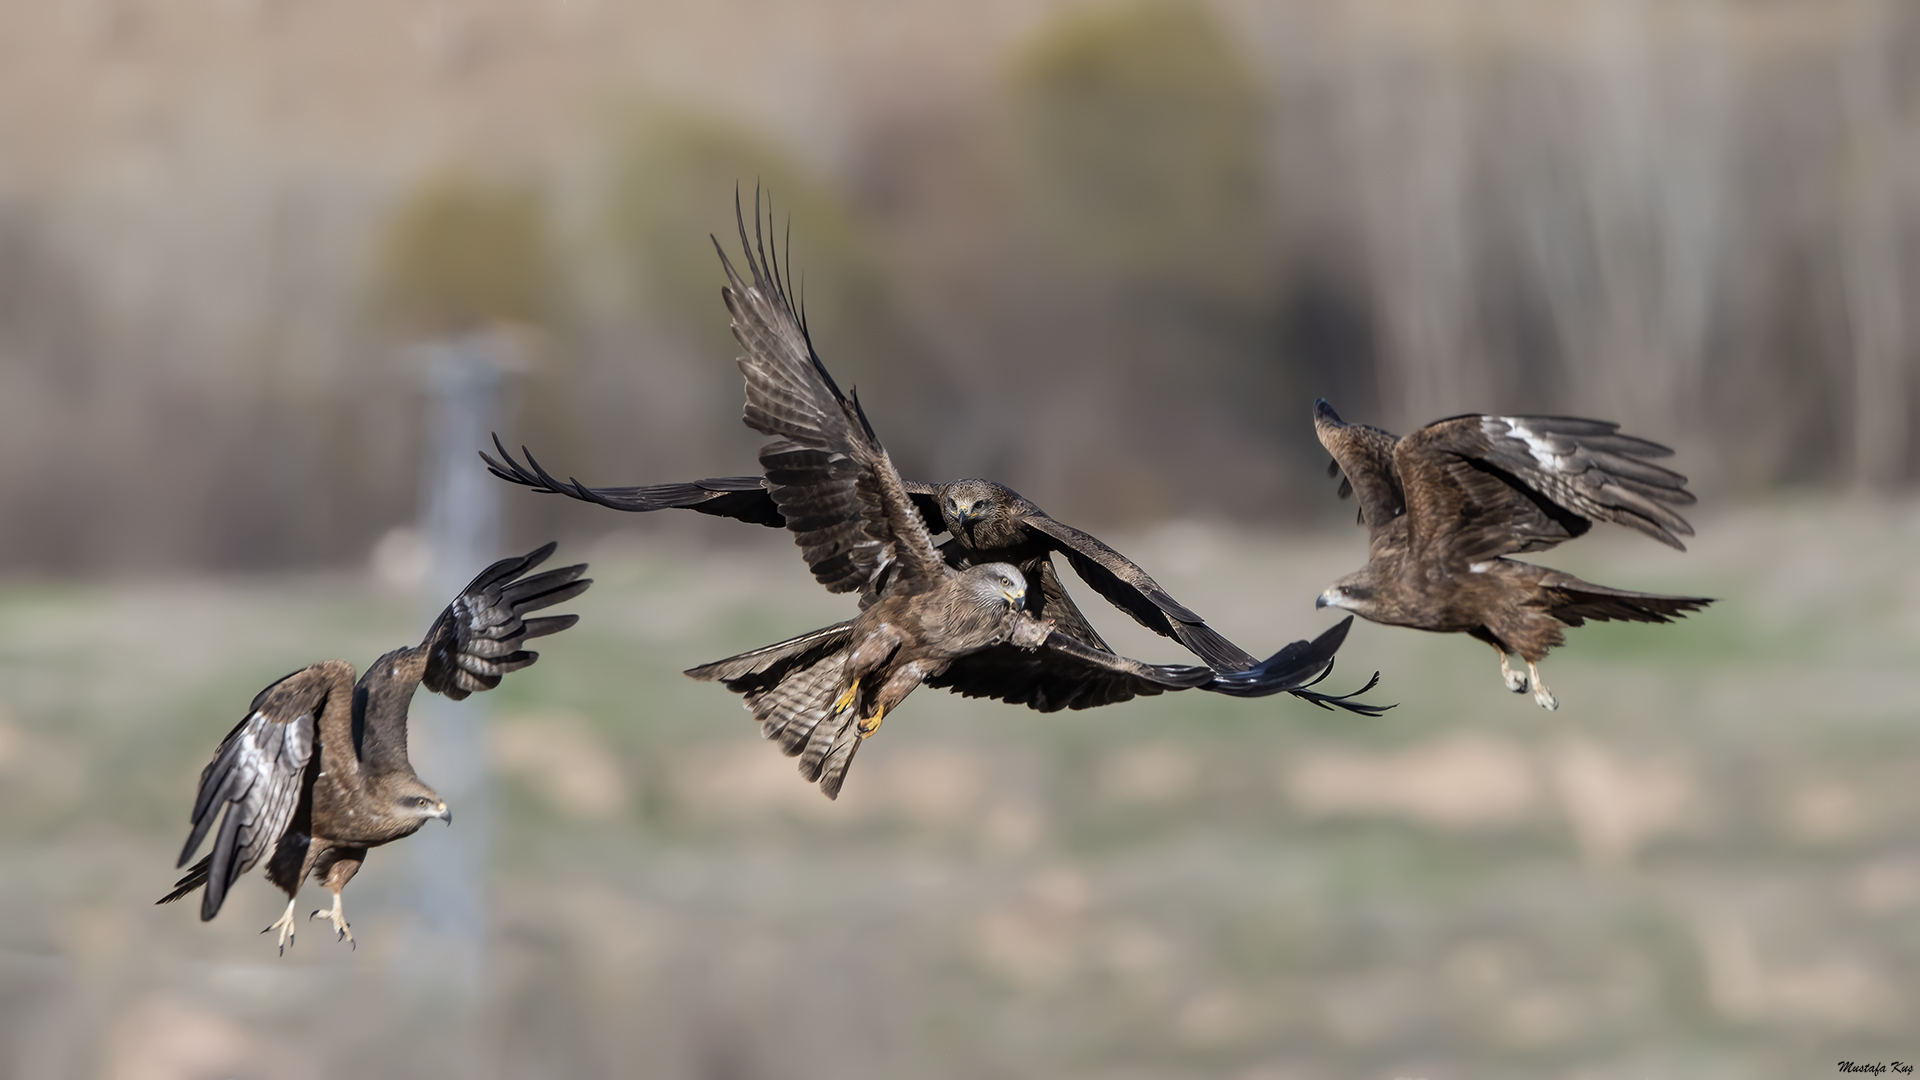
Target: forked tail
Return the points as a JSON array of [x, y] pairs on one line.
[[1575, 601]]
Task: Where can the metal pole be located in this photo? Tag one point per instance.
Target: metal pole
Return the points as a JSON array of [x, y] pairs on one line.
[[466, 379]]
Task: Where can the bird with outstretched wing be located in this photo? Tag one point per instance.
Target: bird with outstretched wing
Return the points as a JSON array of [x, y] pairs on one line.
[[1445, 506], [317, 772], [921, 620]]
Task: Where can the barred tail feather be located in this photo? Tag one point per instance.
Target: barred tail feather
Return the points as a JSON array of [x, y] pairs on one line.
[[790, 688]]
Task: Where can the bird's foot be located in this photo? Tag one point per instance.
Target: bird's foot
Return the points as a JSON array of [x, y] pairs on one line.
[[284, 924], [1540, 692], [846, 699], [872, 723], [341, 931], [1515, 681]]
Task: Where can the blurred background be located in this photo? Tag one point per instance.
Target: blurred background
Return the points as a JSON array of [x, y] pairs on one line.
[[1105, 252]]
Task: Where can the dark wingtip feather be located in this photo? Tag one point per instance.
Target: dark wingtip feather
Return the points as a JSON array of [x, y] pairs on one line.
[[194, 878], [512, 471], [1299, 664], [1343, 701]]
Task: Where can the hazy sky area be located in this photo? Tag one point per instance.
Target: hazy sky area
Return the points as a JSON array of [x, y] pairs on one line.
[[1108, 254]]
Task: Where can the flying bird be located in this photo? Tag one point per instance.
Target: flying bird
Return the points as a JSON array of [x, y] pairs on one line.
[[317, 771], [1446, 505], [986, 521], [921, 620]]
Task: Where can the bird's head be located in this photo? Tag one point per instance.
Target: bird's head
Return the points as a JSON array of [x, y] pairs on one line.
[[997, 585], [417, 800], [968, 505], [1355, 593]]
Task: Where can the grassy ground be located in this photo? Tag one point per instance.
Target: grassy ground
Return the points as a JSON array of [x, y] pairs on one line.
[[1703, 866]]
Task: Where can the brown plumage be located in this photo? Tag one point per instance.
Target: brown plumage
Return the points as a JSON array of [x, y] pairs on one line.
[[317, 772], [987, 522], [1445, 505], [921, 619]]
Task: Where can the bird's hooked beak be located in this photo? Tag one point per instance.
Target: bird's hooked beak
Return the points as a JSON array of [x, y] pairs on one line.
[[1016, 597], [965, 513], [445, 814], [1330, 598]]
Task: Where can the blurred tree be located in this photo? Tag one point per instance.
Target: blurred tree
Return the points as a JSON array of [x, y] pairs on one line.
[[1133, 133], [463, 252], [1139, 130]]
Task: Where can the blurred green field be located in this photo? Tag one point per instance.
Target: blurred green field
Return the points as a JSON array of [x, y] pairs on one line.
[[1703, 866]]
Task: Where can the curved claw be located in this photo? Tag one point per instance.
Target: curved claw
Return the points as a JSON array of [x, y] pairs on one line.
[[284, 924], [342, 931]]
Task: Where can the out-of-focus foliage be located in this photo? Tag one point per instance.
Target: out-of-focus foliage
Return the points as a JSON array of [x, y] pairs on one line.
[[1105, 252], [1146, 269], [461, 251], [1137, 128]]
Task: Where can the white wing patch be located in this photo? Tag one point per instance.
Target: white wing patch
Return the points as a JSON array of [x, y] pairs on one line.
[[1541, 447]]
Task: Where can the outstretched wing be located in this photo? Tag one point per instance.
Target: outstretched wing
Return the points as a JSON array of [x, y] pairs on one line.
[[1051, 602], [1479, 487], [742, 497], [1133, 591], [1297, 667], [1066, 673], [477, 639], [1363, 457], [847, 507], [1063, 673], [256, 777]]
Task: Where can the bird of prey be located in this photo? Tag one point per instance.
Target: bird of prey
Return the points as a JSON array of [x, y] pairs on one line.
[[317, 771], [921, 620], [1446, 505], [987, 522]]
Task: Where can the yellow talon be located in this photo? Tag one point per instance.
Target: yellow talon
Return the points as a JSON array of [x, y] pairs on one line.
[[872, 723], [846, 699]]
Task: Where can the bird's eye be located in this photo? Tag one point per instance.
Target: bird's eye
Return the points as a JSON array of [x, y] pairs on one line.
[[421, 801]]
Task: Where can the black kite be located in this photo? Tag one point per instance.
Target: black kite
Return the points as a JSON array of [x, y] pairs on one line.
[[317, 772], [921, 620], [1445, 505], [987, 522]]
